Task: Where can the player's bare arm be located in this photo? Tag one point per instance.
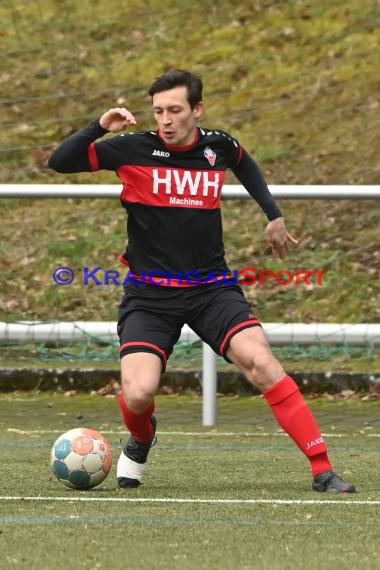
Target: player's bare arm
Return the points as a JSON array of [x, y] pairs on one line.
[[117, 119], [279, 238]]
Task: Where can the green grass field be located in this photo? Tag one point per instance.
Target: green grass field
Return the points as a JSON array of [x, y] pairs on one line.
[[234, 497]]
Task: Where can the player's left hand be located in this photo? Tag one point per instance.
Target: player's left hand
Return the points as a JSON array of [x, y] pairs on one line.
[[279, 238]]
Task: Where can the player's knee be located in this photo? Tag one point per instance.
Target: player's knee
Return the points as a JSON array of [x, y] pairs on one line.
[[137, 397], [261, 362], [266, 370], [257, 360], [262, 368], [140, 377]]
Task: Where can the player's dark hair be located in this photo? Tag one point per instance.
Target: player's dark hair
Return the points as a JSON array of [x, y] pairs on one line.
[[179, 78]]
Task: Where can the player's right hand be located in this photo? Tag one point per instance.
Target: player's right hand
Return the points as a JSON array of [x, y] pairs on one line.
[[117, 119], [279, 238]]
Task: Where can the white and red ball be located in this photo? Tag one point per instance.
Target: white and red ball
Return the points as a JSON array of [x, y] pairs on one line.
[[81, 458]]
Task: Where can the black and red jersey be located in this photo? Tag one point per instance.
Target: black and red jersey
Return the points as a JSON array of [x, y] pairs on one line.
[[171, 194]]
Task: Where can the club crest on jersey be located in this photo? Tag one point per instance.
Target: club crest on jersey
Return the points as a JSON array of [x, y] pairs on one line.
[[210, 155]]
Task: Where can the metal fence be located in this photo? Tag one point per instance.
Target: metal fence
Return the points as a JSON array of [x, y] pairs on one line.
[[278, 333]]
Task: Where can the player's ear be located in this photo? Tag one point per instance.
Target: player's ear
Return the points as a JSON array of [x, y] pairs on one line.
[[198, 110]]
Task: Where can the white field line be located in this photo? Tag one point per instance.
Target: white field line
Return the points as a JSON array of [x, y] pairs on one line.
[[195, 433], [146, 500]]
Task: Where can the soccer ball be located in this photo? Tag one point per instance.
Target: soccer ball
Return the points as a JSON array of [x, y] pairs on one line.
[[81, 458]]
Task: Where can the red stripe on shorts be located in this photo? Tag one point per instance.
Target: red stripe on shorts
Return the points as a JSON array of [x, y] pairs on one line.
[[148, 345], [234, 330]]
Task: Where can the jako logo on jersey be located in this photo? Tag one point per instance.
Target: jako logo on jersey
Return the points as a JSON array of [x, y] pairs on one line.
[[210, 155], [194, 182], [161, 153]]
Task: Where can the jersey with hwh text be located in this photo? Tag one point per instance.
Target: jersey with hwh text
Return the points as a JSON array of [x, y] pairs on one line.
[[171, 194], [172, 198]]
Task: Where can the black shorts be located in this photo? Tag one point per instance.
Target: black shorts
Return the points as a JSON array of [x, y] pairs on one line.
[[151, 317]]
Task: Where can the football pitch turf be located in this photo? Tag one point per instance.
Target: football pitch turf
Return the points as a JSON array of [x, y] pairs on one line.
[[237, 496]]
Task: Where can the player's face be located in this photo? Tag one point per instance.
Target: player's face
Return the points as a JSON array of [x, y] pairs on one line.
[[176, 120]]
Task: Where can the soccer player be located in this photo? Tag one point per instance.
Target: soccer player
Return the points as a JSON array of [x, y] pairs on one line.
[[172, 179]]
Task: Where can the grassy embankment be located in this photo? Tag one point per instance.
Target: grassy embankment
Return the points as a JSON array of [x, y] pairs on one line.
[[295, 82]]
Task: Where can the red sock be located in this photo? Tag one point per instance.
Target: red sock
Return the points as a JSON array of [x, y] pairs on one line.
[[295, 417], [139, 425]]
